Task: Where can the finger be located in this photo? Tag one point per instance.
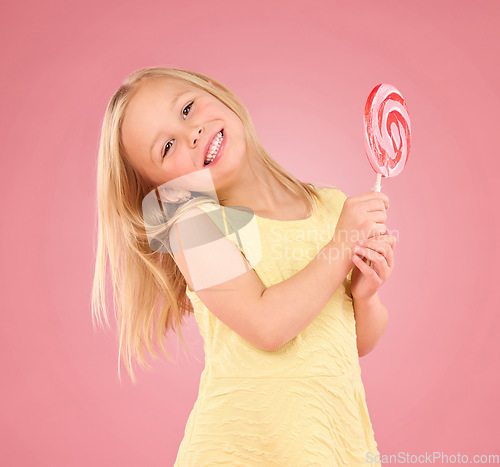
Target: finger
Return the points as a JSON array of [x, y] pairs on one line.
[[393, 242], [378, 216], [389, 255], [371, 254], [382, 247], [381, 268], [374, 205], [365, 269], [384, 237], [389, 239], [378, 259], [374, 195], [376, 244], [390, 258], [378, 228]]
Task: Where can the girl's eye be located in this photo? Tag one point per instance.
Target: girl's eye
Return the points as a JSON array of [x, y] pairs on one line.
[[167, 147], [187, 107]]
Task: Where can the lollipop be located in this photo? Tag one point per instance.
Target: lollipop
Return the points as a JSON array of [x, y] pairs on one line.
[[387, 131]]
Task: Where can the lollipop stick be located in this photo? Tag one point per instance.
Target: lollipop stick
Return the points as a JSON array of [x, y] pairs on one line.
[[375, 188], [377, 183]]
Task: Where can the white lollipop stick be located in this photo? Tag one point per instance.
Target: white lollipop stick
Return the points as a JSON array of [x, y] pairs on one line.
[[377, 186]]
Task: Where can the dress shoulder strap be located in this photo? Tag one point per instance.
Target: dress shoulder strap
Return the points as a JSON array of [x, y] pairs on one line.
[[237, 224]]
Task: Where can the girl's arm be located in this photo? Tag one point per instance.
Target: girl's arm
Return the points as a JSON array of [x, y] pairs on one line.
[[234, 293], [367, 277], [293, 304], [371, 320]]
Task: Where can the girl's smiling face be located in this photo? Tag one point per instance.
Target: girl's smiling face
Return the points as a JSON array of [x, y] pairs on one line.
[[169, 123]]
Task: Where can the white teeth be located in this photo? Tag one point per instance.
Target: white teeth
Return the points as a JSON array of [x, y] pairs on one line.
[[214, 147]]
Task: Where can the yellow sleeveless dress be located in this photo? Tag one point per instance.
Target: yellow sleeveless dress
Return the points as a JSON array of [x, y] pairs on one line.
[[300, 405]]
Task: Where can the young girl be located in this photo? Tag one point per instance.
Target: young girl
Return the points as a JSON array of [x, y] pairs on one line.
[[284, 316]]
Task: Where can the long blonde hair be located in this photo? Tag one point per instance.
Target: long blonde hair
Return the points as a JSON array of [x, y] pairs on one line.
[[149, 291]]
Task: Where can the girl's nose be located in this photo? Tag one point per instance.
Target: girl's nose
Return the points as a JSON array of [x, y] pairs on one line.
[[196, 135]]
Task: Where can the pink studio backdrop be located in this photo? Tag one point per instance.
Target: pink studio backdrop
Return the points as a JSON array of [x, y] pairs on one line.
[[304, 70]]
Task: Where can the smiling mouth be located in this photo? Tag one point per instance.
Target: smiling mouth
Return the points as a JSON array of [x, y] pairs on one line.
[[214, 148]]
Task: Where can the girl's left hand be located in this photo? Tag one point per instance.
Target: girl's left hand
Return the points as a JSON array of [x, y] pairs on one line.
[[366, 279]]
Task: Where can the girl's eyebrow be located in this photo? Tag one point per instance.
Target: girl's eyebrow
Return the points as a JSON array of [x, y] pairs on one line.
[[176, 98], [173, 103]]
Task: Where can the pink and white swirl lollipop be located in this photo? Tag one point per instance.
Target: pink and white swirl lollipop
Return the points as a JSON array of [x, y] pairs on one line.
[[387, 131]]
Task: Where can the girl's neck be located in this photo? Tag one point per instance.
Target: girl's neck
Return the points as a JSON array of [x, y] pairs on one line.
[[256, 188]]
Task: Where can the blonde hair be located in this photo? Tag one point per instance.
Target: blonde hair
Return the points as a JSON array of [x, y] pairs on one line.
[[149, 291]]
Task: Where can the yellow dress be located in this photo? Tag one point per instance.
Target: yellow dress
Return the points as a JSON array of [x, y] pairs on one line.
[[300, 405]]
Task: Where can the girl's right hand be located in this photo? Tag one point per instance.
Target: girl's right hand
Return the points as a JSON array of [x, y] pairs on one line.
[[362, 217]]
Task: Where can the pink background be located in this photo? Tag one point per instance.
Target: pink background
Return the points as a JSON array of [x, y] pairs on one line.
[[304, 70]]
